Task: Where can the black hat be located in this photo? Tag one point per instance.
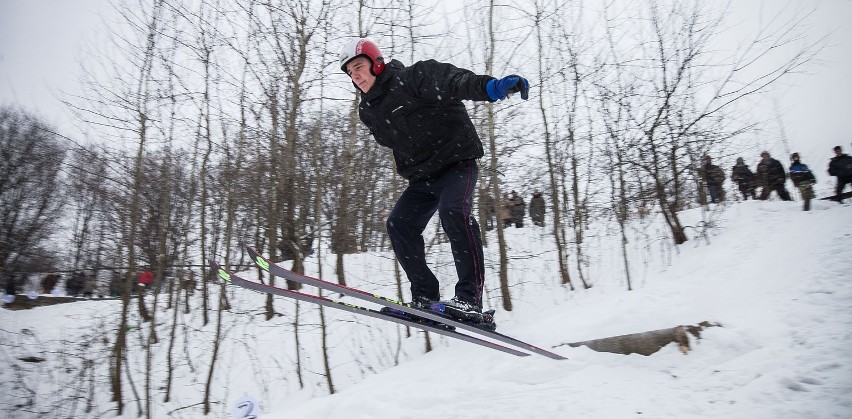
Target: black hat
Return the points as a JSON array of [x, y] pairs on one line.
[[837, 148], [794, 156]]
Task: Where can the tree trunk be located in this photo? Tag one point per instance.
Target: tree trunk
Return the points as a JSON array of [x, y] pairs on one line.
[[490, 122], [549, 152], [214, 355]]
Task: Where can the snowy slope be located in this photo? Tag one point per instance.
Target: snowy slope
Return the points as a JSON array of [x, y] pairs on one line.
[[775, 277]]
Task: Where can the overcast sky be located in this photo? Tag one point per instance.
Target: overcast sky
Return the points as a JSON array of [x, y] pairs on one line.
[[40, 42], [815, 108]]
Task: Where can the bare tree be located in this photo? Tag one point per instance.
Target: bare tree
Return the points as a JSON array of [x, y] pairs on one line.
[[125, 106], [87, 171], [550, 148], [31, 158], [493, 153]]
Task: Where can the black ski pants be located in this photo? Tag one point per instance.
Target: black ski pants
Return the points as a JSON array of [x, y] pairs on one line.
[[748, 190], [451, 195], [779, 188], [841, 185]]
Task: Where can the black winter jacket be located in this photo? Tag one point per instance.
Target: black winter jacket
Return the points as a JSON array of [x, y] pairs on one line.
[[740, 173], [417, 112], [838, 166], [712, 174], [770, 173]]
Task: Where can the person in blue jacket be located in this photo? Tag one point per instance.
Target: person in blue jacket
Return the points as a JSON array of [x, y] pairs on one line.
[[417, 112], [803, 179]]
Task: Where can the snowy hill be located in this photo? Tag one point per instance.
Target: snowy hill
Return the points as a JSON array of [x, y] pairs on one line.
[[776, 278]]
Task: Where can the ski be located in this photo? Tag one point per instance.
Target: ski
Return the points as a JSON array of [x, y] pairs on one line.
[[844, 195], [234, 279], [277, 270]]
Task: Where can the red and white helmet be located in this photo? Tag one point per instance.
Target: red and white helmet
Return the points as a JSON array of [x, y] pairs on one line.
[[366, 48]]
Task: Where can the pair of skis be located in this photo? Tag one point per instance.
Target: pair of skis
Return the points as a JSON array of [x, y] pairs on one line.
[[397, 312]]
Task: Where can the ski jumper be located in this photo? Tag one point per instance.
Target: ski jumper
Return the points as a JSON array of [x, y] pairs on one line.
[[418, 113]]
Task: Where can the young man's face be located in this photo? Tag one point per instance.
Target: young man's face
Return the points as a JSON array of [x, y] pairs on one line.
[[359, 71]]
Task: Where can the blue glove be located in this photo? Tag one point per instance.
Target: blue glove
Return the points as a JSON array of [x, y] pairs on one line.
[[501, 88]]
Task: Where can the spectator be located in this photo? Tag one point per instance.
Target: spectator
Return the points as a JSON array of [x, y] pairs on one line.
[[487, 204], [506, 210], [771, 175], [11, 287], [49, 283], [744, 178], [518, 209], [115, 284], [145, 279], [803, 179], [74, 284], [89, 286], [713, 177], [840, 166], [537, 209]]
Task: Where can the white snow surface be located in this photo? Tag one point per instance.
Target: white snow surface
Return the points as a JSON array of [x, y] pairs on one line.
[[776, 278]]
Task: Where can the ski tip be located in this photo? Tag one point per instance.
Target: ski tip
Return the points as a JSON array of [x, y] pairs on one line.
[[258, 259], [221, 272], [224, 275]]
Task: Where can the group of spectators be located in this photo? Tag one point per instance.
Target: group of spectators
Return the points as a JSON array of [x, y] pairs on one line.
[[770, 176], [80, 283], [76, 284], [511, 209]]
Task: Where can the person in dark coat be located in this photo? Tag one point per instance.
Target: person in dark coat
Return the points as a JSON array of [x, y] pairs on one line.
[[11, 286], [744, 178], [506, 210], [771, 175], [537, 209], [713, 177], [74, 283], [90, 285], [840, 166], [803, 179], [418, 113], [518, 210], [487, 203], [49, 282], [115, 282]]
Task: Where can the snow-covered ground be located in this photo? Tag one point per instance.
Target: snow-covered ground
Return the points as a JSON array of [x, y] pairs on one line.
[[776, 278]]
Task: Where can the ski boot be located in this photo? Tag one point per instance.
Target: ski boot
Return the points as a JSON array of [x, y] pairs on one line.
[[467, 313], [420, 303]]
